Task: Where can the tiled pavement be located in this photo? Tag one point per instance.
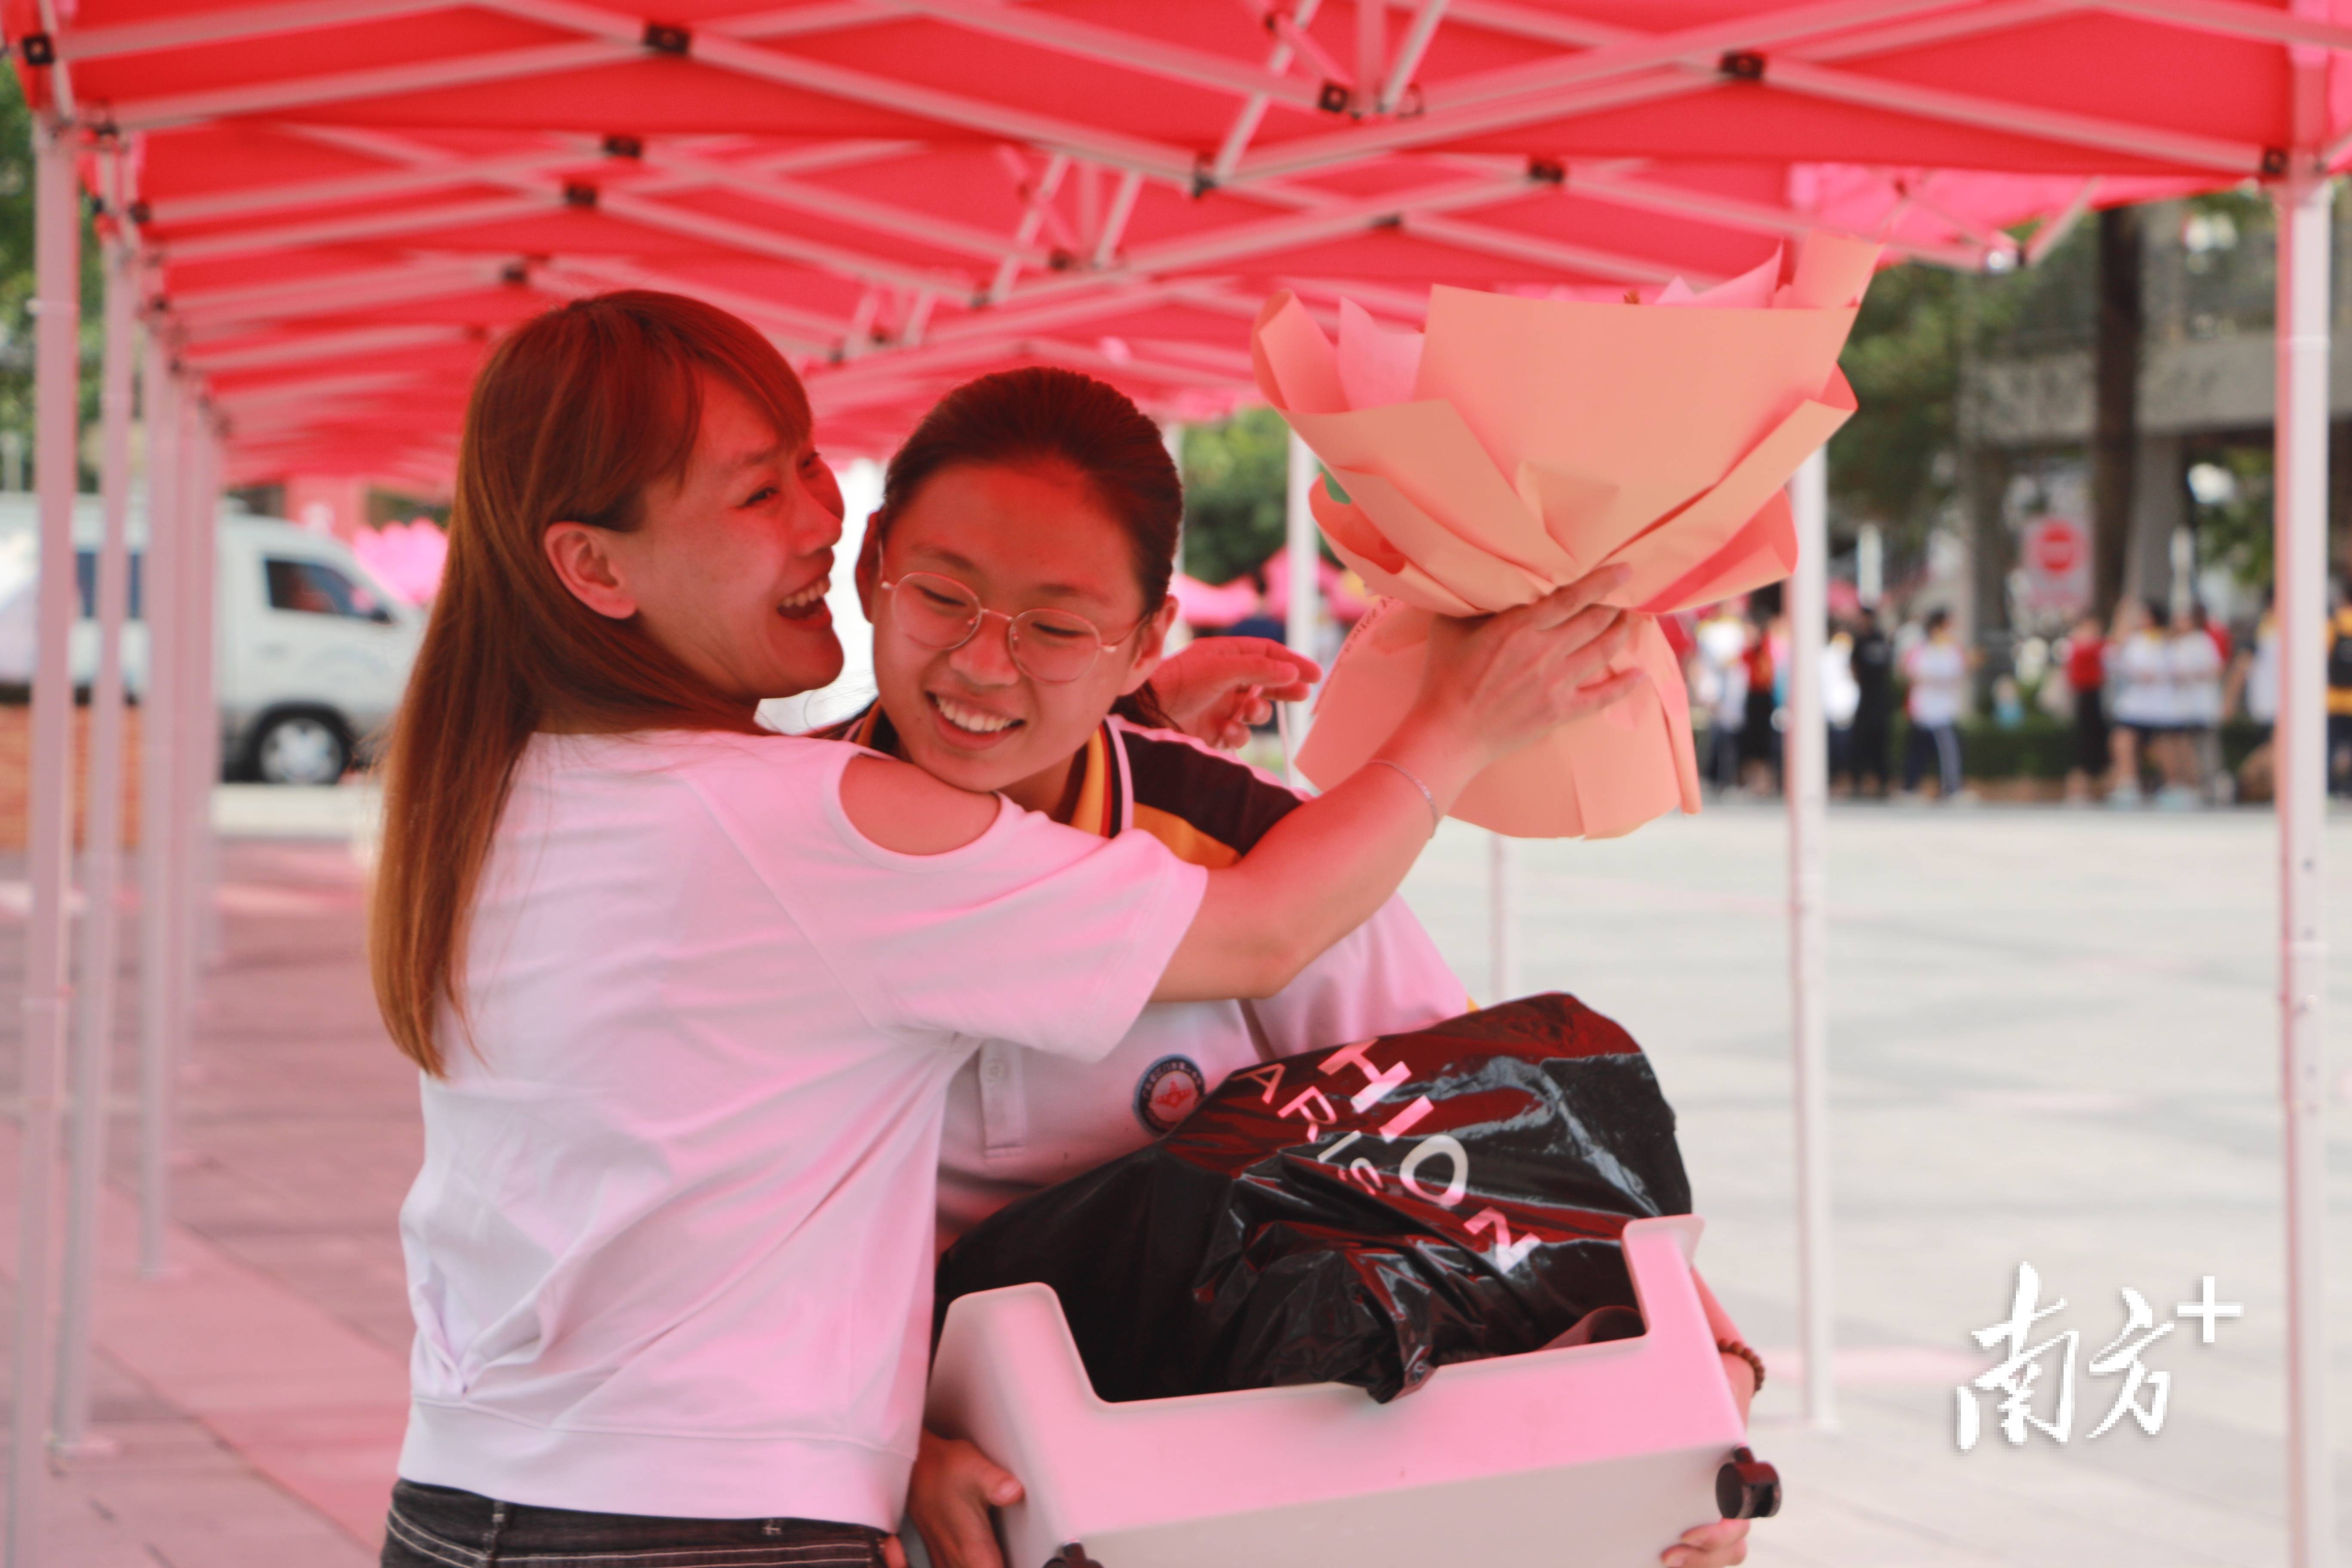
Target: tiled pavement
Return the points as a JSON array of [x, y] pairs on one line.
[[2054, 1042]]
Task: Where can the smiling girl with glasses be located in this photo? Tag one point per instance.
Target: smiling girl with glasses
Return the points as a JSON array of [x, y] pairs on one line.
[[1017, 577]]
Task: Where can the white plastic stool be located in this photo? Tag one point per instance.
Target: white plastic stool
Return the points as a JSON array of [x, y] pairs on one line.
[[1597, 1456]]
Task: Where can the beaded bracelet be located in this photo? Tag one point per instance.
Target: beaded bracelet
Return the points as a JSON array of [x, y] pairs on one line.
[[1755, 1362]]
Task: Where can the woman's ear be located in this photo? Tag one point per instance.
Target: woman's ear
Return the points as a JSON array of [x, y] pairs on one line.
[[869, 567], [1151, 647], [583, 563]]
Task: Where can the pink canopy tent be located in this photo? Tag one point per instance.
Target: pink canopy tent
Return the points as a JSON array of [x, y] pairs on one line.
[[341, 202], [326, 208]]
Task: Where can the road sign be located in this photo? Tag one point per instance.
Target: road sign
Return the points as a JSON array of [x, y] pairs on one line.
[[2055, 567]]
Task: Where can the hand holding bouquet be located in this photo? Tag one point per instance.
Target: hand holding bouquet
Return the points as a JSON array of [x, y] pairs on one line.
[[1515, 445]]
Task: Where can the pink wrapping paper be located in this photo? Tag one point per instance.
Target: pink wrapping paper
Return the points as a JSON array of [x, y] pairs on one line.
[[1515, 445]]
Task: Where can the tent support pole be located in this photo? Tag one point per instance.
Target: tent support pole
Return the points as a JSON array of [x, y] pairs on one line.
[[2301, 524], [1804, 766], [1301, 543], [200, 572], [57, 243], [158, 790], [1502, 979], [102, 858]]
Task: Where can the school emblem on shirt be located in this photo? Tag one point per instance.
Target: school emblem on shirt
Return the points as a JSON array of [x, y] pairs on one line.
[[1167, 1092]]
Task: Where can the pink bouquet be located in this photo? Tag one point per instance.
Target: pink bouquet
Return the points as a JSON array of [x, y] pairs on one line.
[[1515, 445]]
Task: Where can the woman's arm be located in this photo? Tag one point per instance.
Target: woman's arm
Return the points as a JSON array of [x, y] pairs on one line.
[[1723, 1543], [1492, 687]]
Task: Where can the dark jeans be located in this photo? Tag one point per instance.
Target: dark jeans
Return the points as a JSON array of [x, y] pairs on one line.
[[441, 1527], [2091, 753], [1722, 756], [1936, 746], [1867, 750]]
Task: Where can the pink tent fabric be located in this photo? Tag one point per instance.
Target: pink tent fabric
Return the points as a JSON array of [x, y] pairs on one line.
[[1343, 592], [406, 557], [348, 202], [1214, 606]]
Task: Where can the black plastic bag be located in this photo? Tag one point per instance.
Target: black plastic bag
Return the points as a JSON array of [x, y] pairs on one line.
[[1364, 1214]]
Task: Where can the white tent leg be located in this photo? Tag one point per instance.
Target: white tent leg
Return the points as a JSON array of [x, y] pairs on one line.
[[57, 243], [192, 591], [203, 742], [94, 1047], [158, 835], [1306, 594], [1502, 977], [2301, 524], [1805, 764]]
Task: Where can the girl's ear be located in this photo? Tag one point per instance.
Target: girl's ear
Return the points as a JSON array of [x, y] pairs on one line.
[[869, 568], [583, 563], [1151, 647]]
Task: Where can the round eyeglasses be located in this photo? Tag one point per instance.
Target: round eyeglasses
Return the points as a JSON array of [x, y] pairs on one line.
[[1052, 646]]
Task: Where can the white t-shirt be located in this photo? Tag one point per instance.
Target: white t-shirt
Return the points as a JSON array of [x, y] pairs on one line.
[[1019, 1120], [1840, 692], [2196, 666], [2261, 677], [2141, 669], [1722, 641], [670, 1251], [1938, 673]]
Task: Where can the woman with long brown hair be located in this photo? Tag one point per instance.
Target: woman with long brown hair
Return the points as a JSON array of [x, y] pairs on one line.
[[687, 996]]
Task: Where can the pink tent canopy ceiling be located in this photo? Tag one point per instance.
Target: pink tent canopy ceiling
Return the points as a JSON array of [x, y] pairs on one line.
[[346, 199]]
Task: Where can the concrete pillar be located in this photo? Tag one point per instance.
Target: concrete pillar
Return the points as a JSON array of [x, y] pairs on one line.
[[2159, 505]]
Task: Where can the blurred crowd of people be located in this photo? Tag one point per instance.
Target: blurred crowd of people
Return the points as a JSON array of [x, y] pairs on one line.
[[2147, 694], [1737, 668]]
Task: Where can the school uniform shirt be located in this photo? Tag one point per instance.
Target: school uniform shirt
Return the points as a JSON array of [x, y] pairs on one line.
[[670, 1251], [1019, 1119]]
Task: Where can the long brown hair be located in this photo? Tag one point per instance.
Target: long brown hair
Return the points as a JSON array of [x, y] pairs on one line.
[[572, 417], [1044, 413]]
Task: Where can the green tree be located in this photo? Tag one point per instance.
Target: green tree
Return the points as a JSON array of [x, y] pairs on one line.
[[1234, 478], [1896, 462], [1891, 464], [17, 283]]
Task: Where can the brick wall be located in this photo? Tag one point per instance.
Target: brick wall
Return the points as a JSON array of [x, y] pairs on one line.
[[16, 773]]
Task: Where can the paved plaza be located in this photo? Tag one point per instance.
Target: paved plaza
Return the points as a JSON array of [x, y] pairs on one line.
[[2054, 1042]]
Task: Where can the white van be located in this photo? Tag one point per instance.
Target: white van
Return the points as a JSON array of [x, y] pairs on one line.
[[310, 651]]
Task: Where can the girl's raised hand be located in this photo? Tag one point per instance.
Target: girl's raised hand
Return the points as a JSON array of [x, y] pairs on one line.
[[1215, 689]]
